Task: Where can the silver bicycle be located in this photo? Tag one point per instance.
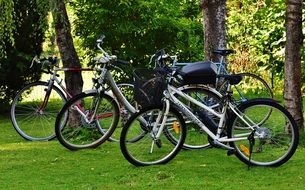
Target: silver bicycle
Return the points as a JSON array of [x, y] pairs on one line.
[[35, 106], [90, 118], [251, 86], [239, 129]]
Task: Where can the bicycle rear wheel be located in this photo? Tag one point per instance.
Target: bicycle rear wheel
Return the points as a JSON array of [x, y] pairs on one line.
[[78, 131], [196, 138], [251, 86], [33, 111], [275, 140], [139, 143]]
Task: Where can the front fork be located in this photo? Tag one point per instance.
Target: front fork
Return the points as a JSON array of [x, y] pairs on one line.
[[46, 97], [158, 127], [90, 116]]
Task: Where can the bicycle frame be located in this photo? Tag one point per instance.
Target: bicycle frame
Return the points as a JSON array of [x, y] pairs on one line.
[[106, 77], [54, 79], [169, 94], [118, 93]]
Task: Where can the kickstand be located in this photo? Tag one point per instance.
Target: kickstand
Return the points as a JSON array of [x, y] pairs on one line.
[[251, 143]]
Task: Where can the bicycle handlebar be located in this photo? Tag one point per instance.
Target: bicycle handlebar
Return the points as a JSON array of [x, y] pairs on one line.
[[106, 58], [49, 62]]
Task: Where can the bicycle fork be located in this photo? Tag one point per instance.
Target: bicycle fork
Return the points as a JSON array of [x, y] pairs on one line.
[[156, 131], [46, 97], [89, 116]]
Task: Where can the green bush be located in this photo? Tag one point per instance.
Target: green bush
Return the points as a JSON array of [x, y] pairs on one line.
[[29, 26]]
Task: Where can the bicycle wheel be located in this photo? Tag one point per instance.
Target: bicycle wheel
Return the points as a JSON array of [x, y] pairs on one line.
[[33, 112], [79, 131], [127, 91], [251, 86], [139, 143], [275, 140], [196, 138]]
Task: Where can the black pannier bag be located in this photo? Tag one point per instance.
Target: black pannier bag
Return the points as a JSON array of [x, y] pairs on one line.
[[199, 73]]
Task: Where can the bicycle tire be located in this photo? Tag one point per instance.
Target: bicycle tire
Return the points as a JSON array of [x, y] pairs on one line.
[[279, 134], [251, 86], [137, 144], [127, 91], [196, 138], [76, 132], [33, 120]]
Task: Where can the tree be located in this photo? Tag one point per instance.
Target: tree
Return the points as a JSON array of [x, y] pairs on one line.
[[135, 30], [21, 37], [64, 40], [7, 25], [292, 83], [214, 12]]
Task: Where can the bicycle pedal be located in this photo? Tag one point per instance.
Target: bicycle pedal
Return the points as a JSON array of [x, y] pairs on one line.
[[231, 152]]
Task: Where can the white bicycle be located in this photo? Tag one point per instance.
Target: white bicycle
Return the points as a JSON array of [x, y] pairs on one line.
[[239, 128]]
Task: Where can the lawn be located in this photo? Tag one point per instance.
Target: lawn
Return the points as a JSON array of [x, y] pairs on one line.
[[48, 165]]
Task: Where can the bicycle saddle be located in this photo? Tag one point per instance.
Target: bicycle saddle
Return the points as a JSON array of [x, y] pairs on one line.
[[223, 52], [233, 79]]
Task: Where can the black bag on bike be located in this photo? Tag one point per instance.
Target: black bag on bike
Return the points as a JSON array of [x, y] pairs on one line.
[[199, 73]]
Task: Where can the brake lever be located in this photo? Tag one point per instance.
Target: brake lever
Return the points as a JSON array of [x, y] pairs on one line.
[[35, 59]]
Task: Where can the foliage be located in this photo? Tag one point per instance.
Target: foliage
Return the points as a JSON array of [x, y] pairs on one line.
[[28, 28], [6, 23], [257, 31], [137, 29]]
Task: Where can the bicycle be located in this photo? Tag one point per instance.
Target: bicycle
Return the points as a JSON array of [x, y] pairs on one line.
[[201, 93], [35, 106], [239, 130], [195, 138], [252, 86], [93, 115]]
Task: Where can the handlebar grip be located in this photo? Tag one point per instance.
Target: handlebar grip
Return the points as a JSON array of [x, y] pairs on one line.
[[100, 39], [122, 61], [49, 60]]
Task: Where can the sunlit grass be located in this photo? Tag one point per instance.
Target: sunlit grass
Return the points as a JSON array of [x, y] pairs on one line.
[[48, 165]]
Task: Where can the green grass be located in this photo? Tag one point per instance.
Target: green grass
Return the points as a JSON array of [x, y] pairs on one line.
[[48, 165]]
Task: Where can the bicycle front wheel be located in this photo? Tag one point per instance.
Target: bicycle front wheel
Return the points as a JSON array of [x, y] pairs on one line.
[[34, 109], [275, 140], [92, 118], [139, 141]]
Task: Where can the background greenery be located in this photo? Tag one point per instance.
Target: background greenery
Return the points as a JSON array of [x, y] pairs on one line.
[[136, 29], [23, 26]]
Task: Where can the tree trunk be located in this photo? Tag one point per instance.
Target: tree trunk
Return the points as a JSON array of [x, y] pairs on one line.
[[74, 81], [292, 84], [214, 13]]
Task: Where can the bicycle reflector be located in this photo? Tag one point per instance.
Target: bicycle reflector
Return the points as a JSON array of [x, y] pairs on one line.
[[176, 127], [244, 149]]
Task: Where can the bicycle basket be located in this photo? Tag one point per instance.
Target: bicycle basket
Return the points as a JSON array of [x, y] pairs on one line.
[[148, 87]]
